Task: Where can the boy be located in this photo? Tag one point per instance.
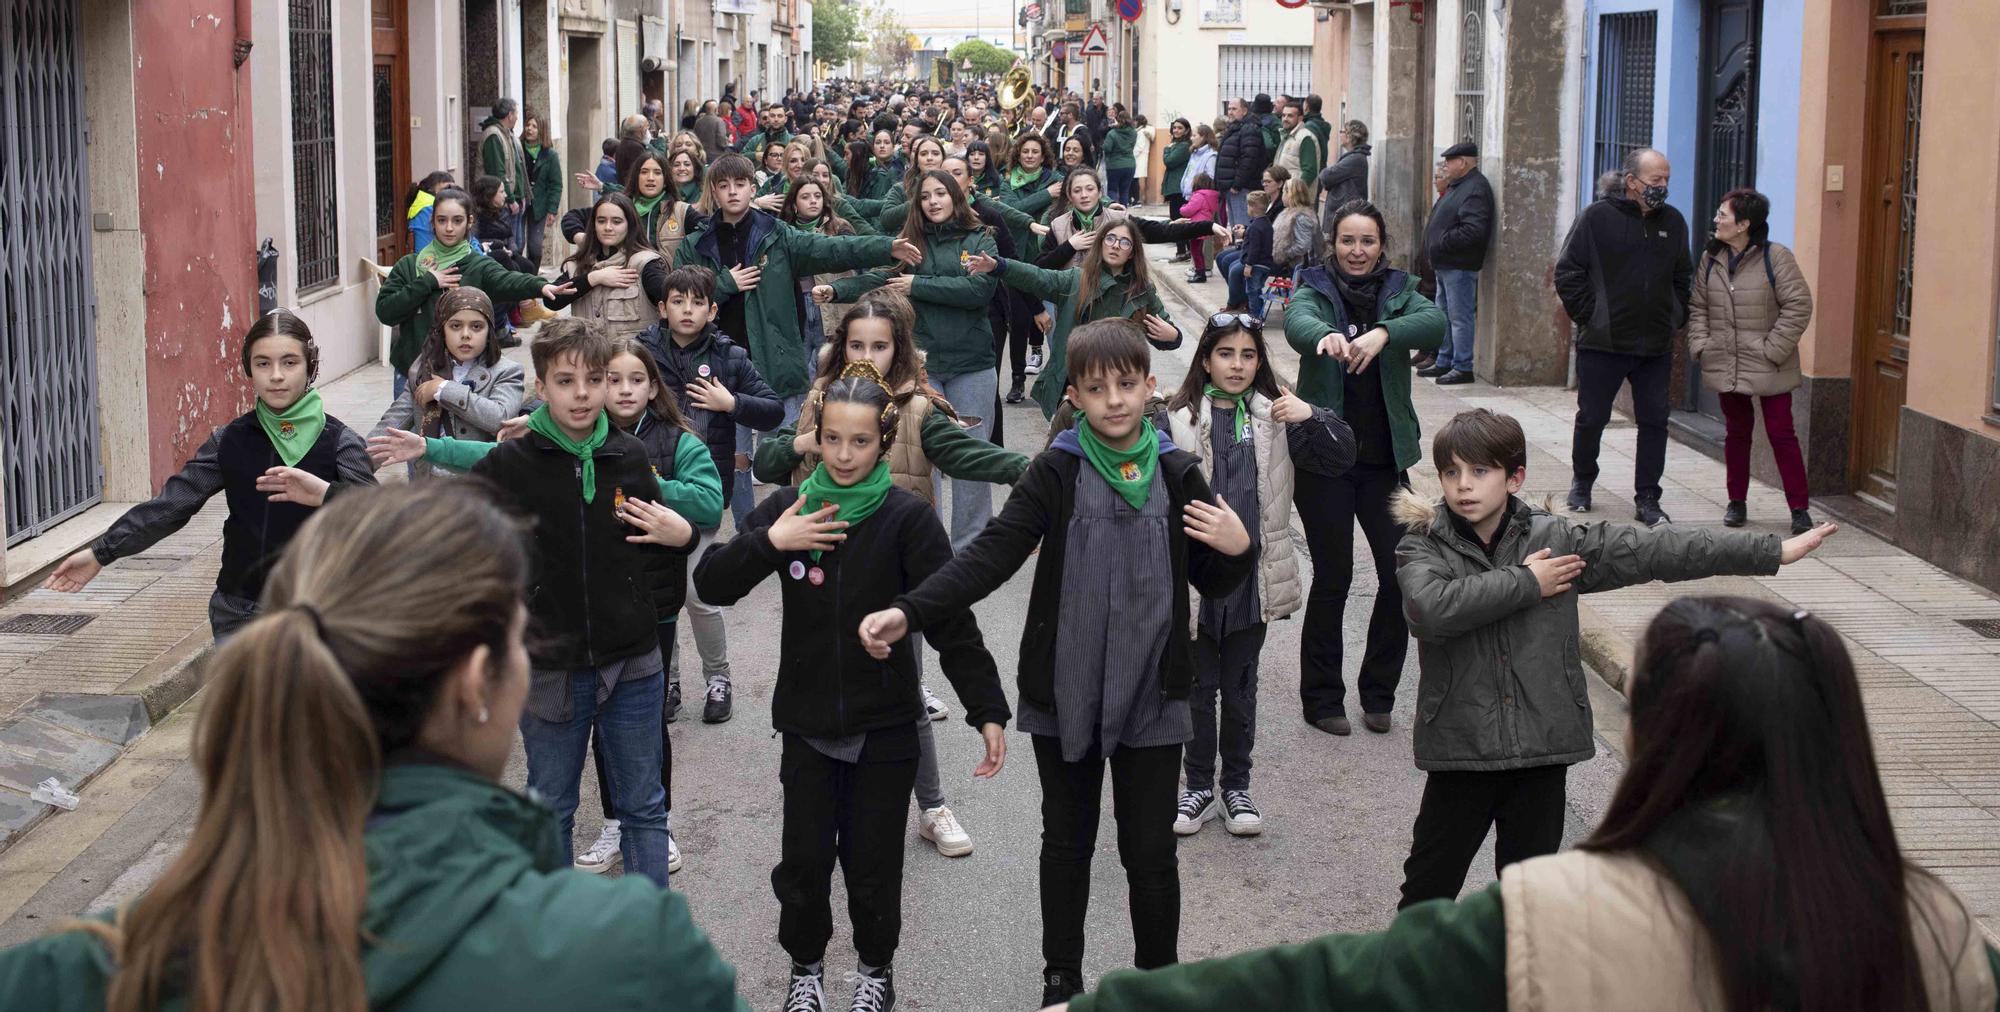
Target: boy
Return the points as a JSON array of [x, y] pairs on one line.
[[596, 655], [719, 390], [1489, 586], [1125, 522]]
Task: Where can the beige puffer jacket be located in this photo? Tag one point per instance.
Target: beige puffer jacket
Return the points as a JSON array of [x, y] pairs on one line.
[[909, 468], [1279, 592], [1744, 332], [626, 311], [1609, 933]]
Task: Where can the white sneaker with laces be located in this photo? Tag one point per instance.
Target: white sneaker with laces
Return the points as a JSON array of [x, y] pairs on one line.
[[1196, 808], [934, 707], [941, 828], [1034, 365], [604, 853], [673, 854]]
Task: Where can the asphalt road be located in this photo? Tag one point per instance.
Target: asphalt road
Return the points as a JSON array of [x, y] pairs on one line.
[[1337, 813]]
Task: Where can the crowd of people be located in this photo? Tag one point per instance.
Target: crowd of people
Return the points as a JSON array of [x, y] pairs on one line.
[[817, 293]]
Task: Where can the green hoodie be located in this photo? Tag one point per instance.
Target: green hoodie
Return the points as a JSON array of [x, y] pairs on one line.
[[472, 903]]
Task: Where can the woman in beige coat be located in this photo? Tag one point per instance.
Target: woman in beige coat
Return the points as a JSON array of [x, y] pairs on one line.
[[1750, 307]]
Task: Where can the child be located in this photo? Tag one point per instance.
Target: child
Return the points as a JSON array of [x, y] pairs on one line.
[[848, 541], [275, 462], [1123, 519], [1502, 706], [606, 271], [1204, 204], [423, 194], [1252, 262], [1231, 414], [408, 296], [880, 332], [460, 386], [493, 224]]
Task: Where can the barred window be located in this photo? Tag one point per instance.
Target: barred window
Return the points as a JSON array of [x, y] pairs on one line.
[[316, 243], [1625, 56], [1472, 74]]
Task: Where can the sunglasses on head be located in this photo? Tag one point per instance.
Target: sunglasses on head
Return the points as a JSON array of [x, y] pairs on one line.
[[1244, 320]]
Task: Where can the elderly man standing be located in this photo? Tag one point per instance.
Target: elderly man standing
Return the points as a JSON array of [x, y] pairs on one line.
[[500, 155], [1624, 277], [1455, 241]]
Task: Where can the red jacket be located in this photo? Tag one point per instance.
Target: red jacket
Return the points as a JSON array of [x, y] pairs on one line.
[[745, 121]]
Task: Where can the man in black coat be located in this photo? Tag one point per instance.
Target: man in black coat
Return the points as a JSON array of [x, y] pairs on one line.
[[1624, 277], [1240, 158], [1455, 240]]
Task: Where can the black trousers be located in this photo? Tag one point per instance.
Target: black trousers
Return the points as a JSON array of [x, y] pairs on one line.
[[666, 740], [1599, 374], [1228, 667], [1328, 509], [999, 314], [1143, 795], [1457, 810], [1174, 204], [1021, 329], [855, 812]]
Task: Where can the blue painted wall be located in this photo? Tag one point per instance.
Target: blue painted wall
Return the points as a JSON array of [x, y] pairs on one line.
[[1781, 62]]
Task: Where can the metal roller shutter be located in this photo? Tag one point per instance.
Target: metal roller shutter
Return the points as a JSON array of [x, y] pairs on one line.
[[1248, 71]]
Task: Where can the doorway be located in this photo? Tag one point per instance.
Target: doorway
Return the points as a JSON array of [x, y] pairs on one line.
[[391, 94], [1727, 143], [1888, 253]]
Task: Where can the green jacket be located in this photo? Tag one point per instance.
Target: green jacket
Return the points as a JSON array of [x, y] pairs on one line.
[[1175, 158], [1118, 142], [546, 173], [472, 904], [1501, 683], [893, 217], [1031, 199], [1321, 129], [952, 325], [753, 145], [1413, 324], [1113, 298], [409, 294], [881, 179], [776, 341], [493, 158], [949, 448]]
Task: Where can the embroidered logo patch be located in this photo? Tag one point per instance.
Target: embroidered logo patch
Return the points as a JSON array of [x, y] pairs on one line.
[[673, 226], [287, 430], [1129, 470]]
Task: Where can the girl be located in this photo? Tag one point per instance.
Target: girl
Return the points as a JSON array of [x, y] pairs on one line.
[[979, 163], [873, 177], [1120, 161], [848, 542], [409, 294], [276, 463], [1072, 220], [1173, 161], [461, 386], [1113, 282], [951, 321], [808, 206], [605, 273], [494, 227], [664, 218], [1295, 236], [372, 712], [422, 195], [1029, 186], [1204, 203], [1201, 160], [1350, 322], [1230, 413]]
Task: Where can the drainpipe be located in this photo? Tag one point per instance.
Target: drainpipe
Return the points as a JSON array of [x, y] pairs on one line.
[[242, 31]]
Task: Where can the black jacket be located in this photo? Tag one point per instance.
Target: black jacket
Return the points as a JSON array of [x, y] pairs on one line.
[[1461, 225], [590, 598], [827, 684], [666, 571], [1038, 513], [757, 405], [1257, 239], [1346, 179], [1625, 278], [1240, 156]]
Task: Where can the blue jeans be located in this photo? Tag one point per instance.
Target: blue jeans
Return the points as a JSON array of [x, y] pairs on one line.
[[1246, 284], [971, 501], [520, 231], [398, 382], [1118, 185], [1239, 207], [742, 491], [628, 723], [1458, 296]]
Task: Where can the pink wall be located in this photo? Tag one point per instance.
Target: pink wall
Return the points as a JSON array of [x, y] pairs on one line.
[[196, 214]]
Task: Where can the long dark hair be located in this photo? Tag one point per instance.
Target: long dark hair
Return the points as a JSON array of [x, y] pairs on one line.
[[435, 359], [592, 252], [1752, 782], [961, 209], [858, 154], [629, 178], [913, 173], [1141, 280], [987, 177], [1264, 382], [834, 223]]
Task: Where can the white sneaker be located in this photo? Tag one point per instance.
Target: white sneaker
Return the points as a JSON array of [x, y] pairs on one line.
[[602, 854], [934, 707], [673, 855], [1034, 365], [1196, 808], [941, 827]]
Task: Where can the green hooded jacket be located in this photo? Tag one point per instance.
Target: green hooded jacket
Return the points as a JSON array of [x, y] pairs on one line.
[[472, 904], [1413, 324], [409, 295], [1030, 199], [1118, 144], [1113, 298], [546, 174], [1175, 159], [952, 326]]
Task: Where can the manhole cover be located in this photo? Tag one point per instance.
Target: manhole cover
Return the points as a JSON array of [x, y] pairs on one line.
[[45, 625], [1987, 627]]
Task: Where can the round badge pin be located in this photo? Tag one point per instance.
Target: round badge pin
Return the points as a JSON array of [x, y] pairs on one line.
[[1352, 330], [816, 576], [703, 370], [798, 569]]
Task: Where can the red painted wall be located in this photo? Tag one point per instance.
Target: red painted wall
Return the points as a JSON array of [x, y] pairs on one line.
[[196, 212]]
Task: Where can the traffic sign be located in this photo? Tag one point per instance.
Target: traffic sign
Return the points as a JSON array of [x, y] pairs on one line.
[[1095, 44], [1059, 49], [1131, 9]]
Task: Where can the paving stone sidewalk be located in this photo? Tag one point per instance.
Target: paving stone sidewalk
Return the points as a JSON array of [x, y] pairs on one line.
[[1930, 680]]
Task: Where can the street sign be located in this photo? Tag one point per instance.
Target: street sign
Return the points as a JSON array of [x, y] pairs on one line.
[[1034, 12], [1131, 9], [1059, 49], [1095, 44]]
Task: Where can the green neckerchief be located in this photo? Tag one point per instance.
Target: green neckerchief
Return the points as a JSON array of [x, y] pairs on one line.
[[1018, 177], [690, 191], [534, 152], [1085, 222], [543, 422], [294, 430], [645, 205], [857, 502], [1242, 405], [1128, 472], [815, 225], [436, 256]]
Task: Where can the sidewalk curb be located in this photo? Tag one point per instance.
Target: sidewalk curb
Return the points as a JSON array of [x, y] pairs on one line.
[[173, 677]]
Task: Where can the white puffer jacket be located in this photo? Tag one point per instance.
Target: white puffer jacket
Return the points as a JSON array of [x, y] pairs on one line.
[[1279, 592]]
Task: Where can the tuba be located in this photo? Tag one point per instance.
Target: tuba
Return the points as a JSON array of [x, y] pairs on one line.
[[1013, 88]]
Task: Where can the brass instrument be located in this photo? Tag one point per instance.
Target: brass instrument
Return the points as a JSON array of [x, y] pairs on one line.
[[1014, 86]]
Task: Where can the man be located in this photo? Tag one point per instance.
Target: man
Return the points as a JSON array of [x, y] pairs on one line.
[[1624, 277], [771, 130], [1455, 240], [713, 132], [1317, 123], [1347, 178], [500, 155], [1300, 151], [1069, 126], [1267, 119], [1037, 122], [634, 128], [1240, 157]]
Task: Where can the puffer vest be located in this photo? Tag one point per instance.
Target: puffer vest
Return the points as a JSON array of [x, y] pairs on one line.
[[625, 310], [669, 230], [909, 468], [1279, 592]]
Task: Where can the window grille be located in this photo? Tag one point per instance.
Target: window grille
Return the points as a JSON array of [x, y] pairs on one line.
[[1472, 75], [317, 239], [1906, 190], [1625, 58]]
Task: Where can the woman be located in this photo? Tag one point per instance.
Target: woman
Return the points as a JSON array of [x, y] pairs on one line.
[[1001, 146], [1120, 162], [883, 168], [1173, 161], [366, 720], [1751, 788], [1353, 321], [545, 175], [1076, 154], [1030, 186], [1201, 159], [979, 166], [684, 171], [1751, 305], [1295, 235], [689, 113], [1142, 157]]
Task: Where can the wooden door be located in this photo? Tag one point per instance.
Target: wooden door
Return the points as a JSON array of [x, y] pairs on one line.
[[1888, 254], [390, 84]]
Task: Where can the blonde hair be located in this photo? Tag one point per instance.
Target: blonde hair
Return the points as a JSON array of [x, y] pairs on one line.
[[1298, 192], [262, 909]]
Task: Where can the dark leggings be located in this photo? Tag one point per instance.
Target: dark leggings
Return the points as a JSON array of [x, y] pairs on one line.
[[1174, 202], [666, 742], [1021, 329]]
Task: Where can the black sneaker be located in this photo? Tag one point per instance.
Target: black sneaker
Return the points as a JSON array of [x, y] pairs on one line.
[[1648, 512], [1196, 808], [1433, 371], [808, 993], [1015, 392], [1736, 514], [1455, 377], [1243, 818], [1059, 986], [716, 710], [673, 707], [1802, 521], [1579, 497], [873, 992]]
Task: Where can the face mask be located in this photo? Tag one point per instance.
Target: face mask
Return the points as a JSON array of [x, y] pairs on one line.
[[1654, 197]]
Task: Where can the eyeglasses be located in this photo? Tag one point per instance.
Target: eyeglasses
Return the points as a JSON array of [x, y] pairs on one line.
[[1117, 242], [1244, 320]]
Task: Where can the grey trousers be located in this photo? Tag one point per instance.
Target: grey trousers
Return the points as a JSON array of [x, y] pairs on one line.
[[704, 623]]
